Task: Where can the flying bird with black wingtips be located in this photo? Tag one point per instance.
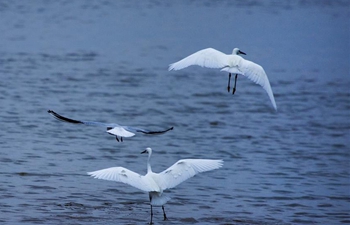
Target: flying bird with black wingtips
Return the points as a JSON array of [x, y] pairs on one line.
[[112, 128]]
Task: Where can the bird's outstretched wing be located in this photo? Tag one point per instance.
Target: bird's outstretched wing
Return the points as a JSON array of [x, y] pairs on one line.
[[126, 176], [127, 131], [112, 128], [65, 119], [183, 170], [208, 57], [144, 131], [255, 73]]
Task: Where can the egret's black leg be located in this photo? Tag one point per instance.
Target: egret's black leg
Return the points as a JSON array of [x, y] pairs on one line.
[[121, 139], [234, 87], [165, 218], [151, 216], [229, 81], [116, 138]]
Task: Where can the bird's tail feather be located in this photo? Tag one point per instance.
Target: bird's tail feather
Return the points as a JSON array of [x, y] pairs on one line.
[[158, 199]]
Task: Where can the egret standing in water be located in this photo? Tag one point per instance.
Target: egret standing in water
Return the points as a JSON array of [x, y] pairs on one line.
[[232, 63], [156, 183]]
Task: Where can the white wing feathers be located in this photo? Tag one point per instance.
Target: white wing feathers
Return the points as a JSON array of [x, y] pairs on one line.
[[208, 57], [256, 73], [235, 64], [183, 170], [126, 176]]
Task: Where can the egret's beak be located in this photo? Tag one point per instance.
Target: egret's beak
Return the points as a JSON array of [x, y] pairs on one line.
[[240, 52], [144, 152]]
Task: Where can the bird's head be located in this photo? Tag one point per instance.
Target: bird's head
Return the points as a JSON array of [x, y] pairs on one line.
[[236, 51], [147, 150]]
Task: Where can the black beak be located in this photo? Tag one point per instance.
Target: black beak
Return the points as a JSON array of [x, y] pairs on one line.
[[240, 52], [144, 152]]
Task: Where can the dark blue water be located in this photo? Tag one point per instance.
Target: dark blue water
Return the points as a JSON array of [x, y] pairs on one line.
[[108, 60]]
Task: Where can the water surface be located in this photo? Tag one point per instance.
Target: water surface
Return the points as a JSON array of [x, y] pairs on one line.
[[107, 61]]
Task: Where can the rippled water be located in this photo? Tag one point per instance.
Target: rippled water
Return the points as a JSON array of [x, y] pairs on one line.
[[108, 60]]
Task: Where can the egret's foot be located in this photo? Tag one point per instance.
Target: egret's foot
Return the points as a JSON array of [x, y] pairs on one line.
[[234, 87], [165, 218], [228, 88], [233, 91]]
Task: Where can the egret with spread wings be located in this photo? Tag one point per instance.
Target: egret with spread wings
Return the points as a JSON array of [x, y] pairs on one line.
[[232, 63], [156, 183]]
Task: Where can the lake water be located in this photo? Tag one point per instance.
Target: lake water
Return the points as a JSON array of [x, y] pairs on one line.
[[107, 61]]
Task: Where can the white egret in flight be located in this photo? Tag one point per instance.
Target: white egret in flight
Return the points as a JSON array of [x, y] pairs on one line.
[[232, 63]]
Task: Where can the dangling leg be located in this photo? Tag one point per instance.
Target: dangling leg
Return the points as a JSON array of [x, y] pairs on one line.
[[151, 216], [121, 139], [229, 81], [116, 138], [234, 87], [165, 218]]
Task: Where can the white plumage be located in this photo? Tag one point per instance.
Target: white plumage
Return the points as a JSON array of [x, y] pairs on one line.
[[232, 63], [183, 170], [156, 183], [126, 176]]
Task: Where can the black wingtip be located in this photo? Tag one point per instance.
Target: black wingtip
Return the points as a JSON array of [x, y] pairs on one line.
[[52, 112], [171, 128], [62, 118], [158, 132]]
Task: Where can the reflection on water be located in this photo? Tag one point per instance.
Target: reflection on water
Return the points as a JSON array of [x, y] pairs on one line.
[[108, 62]]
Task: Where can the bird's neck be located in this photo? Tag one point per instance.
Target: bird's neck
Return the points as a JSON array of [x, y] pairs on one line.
[[149, 169]]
